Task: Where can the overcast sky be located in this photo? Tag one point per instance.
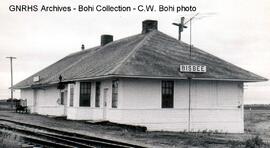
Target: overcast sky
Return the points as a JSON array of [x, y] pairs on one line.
[[237, 32]]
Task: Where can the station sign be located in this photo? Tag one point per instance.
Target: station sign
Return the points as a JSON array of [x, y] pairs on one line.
[[193, 68], [36, 79]]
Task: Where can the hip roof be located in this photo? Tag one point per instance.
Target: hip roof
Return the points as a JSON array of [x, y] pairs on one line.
[[148, 55]]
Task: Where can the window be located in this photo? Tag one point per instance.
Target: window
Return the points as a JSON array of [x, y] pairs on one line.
[[114, 93], [62, 95], [97, 104], [85, 93], [167, 94], [71, 89]]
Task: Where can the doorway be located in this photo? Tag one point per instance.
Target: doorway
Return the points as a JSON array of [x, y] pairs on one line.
[[105, 103], [63, 100], [34, 101]]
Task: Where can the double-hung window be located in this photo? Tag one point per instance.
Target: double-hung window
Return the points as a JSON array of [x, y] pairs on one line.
[[71, 89], [85, 94], [115, 93], [167, 90], [97, 101], [62, 95]]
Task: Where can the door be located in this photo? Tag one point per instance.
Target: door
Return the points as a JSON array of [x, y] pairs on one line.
[[105, 103], [65, 102], [34, 109]]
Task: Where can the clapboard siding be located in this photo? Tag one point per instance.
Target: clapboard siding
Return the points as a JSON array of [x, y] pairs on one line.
[[209, 110], [141, 93], [215, 105], [47, 101], [28, 95]]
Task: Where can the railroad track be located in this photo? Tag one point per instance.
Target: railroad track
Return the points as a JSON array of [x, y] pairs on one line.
[[48, 137]]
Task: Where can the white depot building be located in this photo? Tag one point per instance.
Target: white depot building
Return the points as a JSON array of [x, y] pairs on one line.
[[149, 79]]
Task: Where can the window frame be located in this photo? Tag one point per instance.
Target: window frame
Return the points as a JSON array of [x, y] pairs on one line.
[[167, 94], [85, 91], [62, 95], [97, 94], [115, 93], [71, 95]]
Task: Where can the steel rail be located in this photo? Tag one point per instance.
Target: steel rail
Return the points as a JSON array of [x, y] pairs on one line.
[[66, 137]]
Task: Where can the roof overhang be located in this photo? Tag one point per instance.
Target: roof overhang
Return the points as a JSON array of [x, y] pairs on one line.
[[138, 77]]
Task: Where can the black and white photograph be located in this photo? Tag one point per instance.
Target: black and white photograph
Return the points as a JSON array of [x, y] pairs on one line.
[[136, 74]]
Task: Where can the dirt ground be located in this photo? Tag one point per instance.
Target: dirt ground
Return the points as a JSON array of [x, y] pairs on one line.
[[257, 122]]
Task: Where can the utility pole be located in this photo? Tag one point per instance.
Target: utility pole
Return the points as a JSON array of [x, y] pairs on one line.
[[189, 75], [190, 78], [181, 27], [11, 73]]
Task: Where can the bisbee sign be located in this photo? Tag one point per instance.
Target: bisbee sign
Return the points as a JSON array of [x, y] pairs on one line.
[[192, 68], [36, 79]]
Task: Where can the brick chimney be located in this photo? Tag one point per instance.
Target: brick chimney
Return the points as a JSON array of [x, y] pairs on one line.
[[105, 39], [149, 25]]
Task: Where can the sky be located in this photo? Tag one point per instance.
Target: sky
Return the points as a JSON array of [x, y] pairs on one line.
[[236, 31]]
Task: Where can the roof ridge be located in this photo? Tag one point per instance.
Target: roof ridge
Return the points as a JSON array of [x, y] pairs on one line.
[[81, 51], [228, 62], [67, 56], [206, 52], [134, 57], [146, 37], [121, 39], [48, 80], [88, 55], [100, 48]]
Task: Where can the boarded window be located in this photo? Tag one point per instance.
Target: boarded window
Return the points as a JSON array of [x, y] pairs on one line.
[[97, 104], [167, 94], [71, 89], [85, 93], [115, 93]]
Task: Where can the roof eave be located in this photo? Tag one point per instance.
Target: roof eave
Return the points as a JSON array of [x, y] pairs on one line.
[[239, 80], [159, 77], [142, 77]]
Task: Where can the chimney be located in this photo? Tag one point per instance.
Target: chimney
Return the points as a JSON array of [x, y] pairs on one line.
[[82, 47], [149, 25], [105, 39]]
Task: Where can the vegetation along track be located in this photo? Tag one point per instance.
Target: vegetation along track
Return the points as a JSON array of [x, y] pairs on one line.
[[49, 137]]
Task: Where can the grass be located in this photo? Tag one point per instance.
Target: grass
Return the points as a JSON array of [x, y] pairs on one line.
[[8, 140]]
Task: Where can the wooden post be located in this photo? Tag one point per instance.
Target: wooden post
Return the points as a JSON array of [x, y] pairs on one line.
[[11, 73], [181, 27]]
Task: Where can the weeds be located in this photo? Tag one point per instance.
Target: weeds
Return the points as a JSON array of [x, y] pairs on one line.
[[195, 141], [8, 140], [255, 142]]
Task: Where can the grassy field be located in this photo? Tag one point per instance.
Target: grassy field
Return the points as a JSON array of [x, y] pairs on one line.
[[257, 122], [8, 140]]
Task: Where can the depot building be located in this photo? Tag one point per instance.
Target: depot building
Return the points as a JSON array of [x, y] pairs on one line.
[[149, 79]]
